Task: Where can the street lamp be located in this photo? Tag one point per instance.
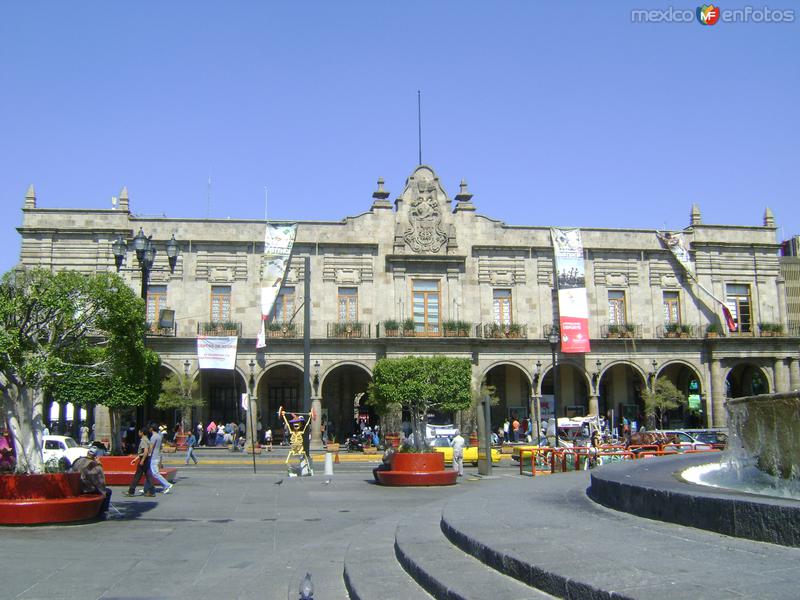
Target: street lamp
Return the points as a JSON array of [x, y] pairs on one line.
[[554, 338], [146, 252]]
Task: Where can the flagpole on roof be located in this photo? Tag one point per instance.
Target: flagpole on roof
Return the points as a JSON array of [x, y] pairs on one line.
[[419, 123]]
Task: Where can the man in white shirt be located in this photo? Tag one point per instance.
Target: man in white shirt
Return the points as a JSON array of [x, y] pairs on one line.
[[458, 444], [156, 439]]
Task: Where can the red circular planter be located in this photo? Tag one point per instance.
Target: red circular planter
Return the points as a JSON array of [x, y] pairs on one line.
[[409, 468], [45, 498], [119, 470]]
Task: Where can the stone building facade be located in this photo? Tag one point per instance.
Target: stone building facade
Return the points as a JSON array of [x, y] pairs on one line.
[[473, 287]]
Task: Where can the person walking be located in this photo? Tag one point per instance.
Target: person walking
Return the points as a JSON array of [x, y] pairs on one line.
[[199, 434], [156, 439], [84, 434], [458, 444], [506, 426], [142, 461], [268, 439], [515, 428], [191, 443]]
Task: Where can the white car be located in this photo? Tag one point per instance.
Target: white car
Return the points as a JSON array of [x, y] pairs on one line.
[[56, 446]]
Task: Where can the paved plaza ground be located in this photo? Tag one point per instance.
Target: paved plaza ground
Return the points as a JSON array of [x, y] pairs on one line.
[[227, 533]]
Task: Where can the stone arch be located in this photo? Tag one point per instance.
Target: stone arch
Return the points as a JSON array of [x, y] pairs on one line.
[[280, 384], [339, 386], [574, 392], [513, 387], [619, 386], [688, 378], [747, 378]]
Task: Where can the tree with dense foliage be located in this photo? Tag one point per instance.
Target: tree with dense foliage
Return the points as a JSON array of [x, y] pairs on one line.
[[663, 397], [420, 384], [180, 392], [78, 337]]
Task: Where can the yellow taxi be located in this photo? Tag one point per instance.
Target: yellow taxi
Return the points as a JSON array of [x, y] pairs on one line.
[[442, 444]]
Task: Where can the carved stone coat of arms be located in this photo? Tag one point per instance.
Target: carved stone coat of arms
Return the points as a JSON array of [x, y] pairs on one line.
[[424, 232]]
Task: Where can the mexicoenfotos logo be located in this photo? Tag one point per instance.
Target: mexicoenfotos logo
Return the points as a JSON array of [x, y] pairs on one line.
[[708, 14]]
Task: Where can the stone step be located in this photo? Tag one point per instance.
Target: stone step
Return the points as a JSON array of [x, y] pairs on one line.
[[371, 570], [447, 572]]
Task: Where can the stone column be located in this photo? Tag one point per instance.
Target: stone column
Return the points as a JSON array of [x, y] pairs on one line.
[[718, 418], [102, 421], [781, 284], [252, 420], [316, 422], [594, 404], [794, 373], [781, 375]]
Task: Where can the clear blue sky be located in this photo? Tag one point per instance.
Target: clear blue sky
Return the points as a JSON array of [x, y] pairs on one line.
[[556, 113]]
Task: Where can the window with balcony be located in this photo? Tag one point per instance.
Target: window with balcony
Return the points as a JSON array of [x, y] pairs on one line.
[[156, 300], [425, 295], [616, 307], [348, 304], [737, 299], [220, 303], [501, 305], [672, 308]]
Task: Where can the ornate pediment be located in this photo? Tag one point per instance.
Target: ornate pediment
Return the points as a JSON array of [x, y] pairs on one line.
[[425, 213]]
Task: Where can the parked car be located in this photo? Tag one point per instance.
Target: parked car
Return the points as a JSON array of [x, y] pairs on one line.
[[709, 436], [685, 438], [442, 444], [57, 446]]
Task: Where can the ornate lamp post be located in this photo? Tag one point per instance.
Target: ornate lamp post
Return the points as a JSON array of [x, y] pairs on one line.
[[554, 338], [146, 255]]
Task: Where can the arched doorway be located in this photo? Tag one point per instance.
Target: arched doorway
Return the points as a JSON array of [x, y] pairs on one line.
[[689, 383], [512, 387], [340, 387], [573, 394], [222, 390], [280, 386], [620, 391], [746, 379]]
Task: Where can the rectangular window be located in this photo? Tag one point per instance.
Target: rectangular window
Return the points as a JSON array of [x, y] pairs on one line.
[[616, 307], [501, 304], [426, 306], [220, 303], [156, 300], [284, 305], [737, 299], [672, 308], [348, 304]]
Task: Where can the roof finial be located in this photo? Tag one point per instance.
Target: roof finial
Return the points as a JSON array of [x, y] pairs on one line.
[[695, 215], [769, 218], [123, 199], [464, 198], [30, 197], [381, 196]]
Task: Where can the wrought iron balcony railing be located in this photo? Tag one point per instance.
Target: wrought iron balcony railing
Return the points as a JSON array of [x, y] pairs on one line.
[[505, 330], [220, 328], [349, 329]]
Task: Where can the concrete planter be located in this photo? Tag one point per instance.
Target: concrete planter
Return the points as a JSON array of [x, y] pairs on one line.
[[45, 498], [417, 469]]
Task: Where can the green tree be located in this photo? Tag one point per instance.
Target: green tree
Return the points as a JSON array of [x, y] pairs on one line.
[[79, 337], [420, 384], [663, 397], [180, 392]]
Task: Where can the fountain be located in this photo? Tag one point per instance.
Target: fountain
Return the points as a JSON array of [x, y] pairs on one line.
[[753, 491]]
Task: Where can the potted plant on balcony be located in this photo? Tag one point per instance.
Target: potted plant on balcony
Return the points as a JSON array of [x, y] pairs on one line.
[[770, 329], [514, 330], [420, 385], [713, 330], [391, 328], [628, 330], [450, 328], [494, 330], [672, 330], [685, 330], [463, 328], [408, 327], [613, 330]]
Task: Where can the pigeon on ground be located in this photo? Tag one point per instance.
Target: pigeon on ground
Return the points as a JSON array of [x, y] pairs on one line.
[[280, 481]]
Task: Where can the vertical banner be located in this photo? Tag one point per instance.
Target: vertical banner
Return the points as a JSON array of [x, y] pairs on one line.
[[570, 276], [278, 242], [217, 352]]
